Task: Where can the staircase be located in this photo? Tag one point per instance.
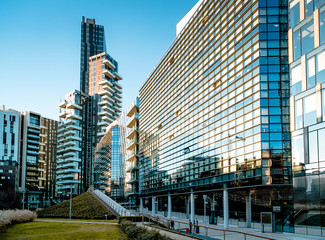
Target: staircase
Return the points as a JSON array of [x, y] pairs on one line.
[[115, 208]]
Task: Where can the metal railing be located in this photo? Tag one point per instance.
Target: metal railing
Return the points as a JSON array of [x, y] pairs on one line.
[[194, 229], [112, 204]]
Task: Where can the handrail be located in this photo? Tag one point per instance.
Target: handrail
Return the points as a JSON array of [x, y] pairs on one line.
[[121, 211], [200, 226]]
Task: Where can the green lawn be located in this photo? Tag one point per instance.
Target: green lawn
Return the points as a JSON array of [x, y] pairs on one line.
[[66, 231], [83, 220]]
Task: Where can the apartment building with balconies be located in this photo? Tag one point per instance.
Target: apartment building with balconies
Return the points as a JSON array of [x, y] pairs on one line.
[[132, 154], [69, 163]]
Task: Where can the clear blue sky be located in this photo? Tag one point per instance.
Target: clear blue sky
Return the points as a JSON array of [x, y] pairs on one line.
[[40, 45]]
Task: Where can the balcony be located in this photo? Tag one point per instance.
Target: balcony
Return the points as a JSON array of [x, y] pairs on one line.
[[131, 192], [105, 82], [101, 134], [63, 114], [108, 109], [72, 181], [107, 119], [132, 144], [108, 74], [105, 93], [63, 104], [75, 149], [132, 181], [70, 170], [69, 154], [109, 89], [108, 98], [74, 116], [109, 64], [74, 127], [132, 110], [132, 133], [117, 76], [132, 122], [71, 138], [74, 105], [65, 176], [103, 123], [132, 155], [105, 113], [132, 168]]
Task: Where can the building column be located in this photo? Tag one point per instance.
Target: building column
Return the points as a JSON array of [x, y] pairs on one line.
[[153, 204], [169, 214], [187, 204], [192, 206], [248, 210], [225, 208], [141, 205]]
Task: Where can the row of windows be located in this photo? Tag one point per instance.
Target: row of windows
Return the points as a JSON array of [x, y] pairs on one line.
[[294, 10], [315, 73]]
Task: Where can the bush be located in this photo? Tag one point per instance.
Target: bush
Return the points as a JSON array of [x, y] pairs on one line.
[[139, 233], [9, 217], [132, 218], [84, 206]]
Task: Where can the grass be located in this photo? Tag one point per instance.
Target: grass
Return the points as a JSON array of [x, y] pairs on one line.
[[85, 206], [64, 231], [85, 220]]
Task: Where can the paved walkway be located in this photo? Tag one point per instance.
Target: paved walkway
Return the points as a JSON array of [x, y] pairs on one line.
[[216, 232], [67, 221]]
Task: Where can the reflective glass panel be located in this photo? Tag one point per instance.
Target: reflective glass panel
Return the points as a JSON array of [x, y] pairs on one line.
[[311, 72], [307, 34], [310, 115]]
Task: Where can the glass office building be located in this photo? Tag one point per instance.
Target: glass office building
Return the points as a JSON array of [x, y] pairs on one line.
[[214, 117], [307, 102], [109, 160]]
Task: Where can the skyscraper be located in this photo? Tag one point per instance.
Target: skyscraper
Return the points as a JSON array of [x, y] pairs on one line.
[[214, 116], [92, 43]]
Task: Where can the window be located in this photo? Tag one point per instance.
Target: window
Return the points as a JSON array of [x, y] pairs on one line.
[[307, 40], [320, 67], [313, 148], [296, 45], [296, 80], [318, 3], [298, 150], [294, 13], [321, 144], [322, 27], [310, 115], [298, 113], [311, 72], [309, 8]]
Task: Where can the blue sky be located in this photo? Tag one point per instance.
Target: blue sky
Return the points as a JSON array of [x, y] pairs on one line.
[[40, 46]]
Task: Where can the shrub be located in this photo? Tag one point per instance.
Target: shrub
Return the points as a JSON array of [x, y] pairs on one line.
[[84, 206], [139, 233], [9, 217], [132, 218]]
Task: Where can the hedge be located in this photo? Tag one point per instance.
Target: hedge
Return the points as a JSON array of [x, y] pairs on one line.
[[135, 232]]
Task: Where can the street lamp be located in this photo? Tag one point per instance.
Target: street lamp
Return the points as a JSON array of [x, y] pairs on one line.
[[70, 203]]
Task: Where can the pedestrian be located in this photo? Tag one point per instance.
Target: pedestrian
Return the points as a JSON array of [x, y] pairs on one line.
[[190, 226], [172, 225], [197, 226]]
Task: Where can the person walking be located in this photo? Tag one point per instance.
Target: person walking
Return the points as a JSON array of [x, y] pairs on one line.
[[196, 222], [190, 226]]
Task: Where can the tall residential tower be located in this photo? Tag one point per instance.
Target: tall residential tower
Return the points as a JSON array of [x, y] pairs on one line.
[[92, 43]]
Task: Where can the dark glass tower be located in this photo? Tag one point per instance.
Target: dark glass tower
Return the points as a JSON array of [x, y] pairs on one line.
[[92, 43]]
